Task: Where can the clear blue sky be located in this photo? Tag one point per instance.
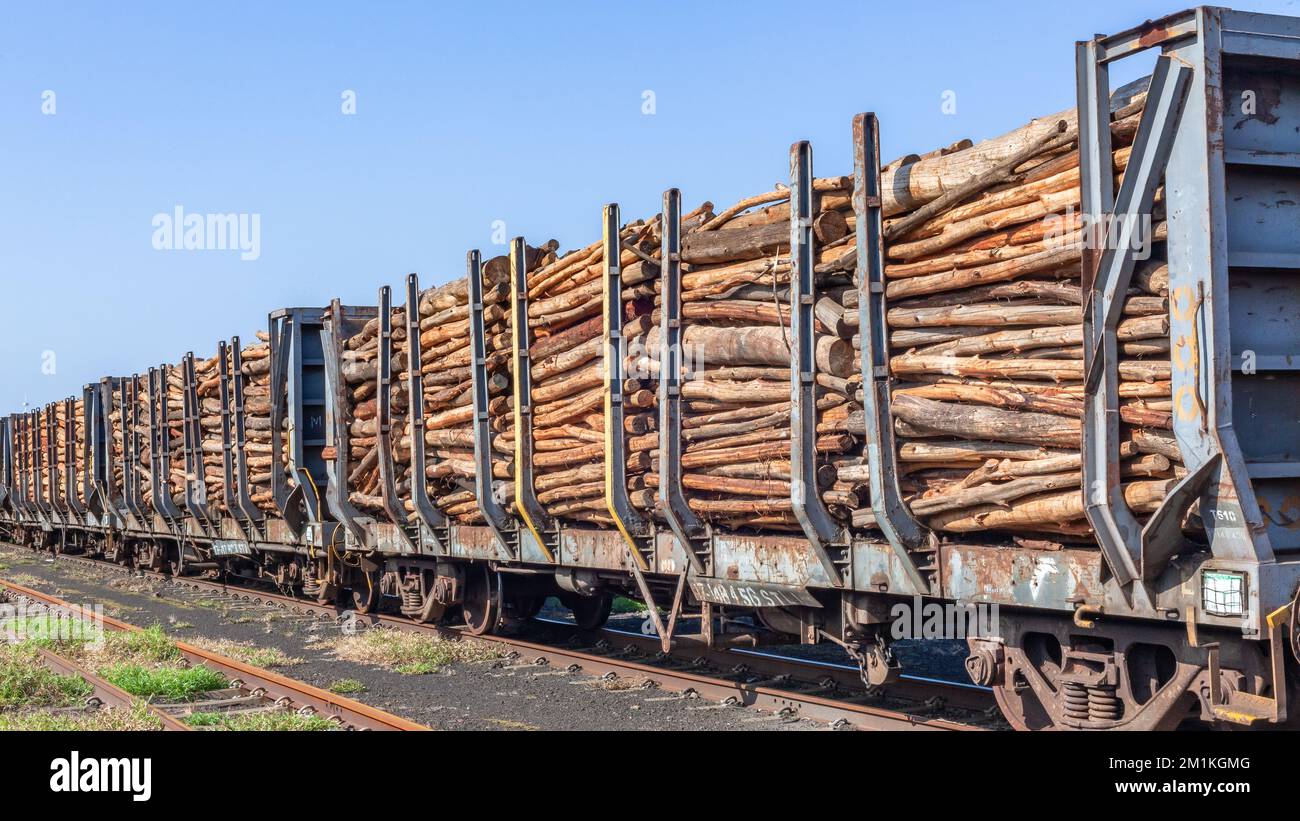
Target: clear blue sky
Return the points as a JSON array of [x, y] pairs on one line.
[[467, 113]]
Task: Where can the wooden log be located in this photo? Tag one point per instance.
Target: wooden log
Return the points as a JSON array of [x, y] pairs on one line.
[[979, 423], [1045, 509]]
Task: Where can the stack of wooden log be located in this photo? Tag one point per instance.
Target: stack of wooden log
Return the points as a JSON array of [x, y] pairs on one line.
[[144, 440], [207, 375], [360, 366], [79, 445], [445, 358], [446, 364], [565, 317], [736, 362], [117, 441], [59, 468], [174, 459], [986, 338], [258, 450]]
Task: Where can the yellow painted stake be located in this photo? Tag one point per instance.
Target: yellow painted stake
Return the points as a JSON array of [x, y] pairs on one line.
[[519, 338], [612, 348]]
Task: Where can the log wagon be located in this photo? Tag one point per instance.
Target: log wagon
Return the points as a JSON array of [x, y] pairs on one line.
[[1052, 373]]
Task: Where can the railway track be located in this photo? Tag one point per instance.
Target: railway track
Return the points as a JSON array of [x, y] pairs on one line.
[[818, 691], [252, 689], [104, 693]]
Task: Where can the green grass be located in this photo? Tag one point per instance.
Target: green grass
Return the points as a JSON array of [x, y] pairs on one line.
[[347, 686], [622, 604], [419, 668], [152, 644], [26, 682], [165, 683], [279, 721]]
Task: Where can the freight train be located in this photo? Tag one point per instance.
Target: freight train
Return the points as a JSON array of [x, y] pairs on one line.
[[299, 460]]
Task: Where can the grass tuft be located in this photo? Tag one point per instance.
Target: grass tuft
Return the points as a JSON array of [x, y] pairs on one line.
[[26, 682], [247, 652], [347, 686], [410, 653], [166, 683], [278, 721]]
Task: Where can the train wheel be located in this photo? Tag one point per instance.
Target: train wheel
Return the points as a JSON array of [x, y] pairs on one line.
[[590, 612], [481, 605], [1021, 708], [366, 594], [151, 557], [176, 563]]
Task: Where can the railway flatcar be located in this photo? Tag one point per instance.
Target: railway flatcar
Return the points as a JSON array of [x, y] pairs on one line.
[[788, 419]]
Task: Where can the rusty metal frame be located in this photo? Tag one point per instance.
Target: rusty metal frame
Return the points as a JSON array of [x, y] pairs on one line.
[[18, 493], [252, 513], [31, 483], [636, 530], [497, 517], [155, 471], [336, 432], [50, 459], [93, 456], [228, 491], [530, 510], [58, 466], [291, 388], [689, 529], [1117, 529], [196, 487], [912, 542], [286, 500], [434, 520], [384, 419], [821, 529], [22, 447], [44, 504], [12, 466], [129, 400], [39, 499], [110, 493], [161, 455], [6, 461], [76, 510]]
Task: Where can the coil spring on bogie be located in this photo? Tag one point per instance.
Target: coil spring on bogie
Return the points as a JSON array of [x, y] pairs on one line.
[[310, 584], [1076, 700], [1103, 704], [412, 601]]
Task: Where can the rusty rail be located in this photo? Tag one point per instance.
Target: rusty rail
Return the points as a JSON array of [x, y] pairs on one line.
[[106, 692], [282, 690]]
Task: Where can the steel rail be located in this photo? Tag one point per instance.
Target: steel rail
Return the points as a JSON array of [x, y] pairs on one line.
[[926, 694], [105, 691], [280, 689]]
